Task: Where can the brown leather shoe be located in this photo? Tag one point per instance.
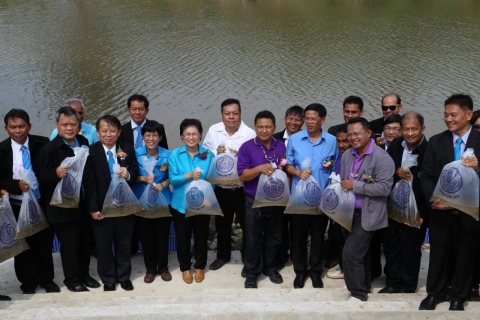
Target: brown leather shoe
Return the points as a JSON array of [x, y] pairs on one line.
[[199, 275], [149, 277], [166, 276], [187, 276]]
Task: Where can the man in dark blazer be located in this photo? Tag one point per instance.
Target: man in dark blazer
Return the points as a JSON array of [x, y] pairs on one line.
[[453, 234], [391, 104], [70, 224], [293, 124], [118, 230], [403, 242], [34, 266]]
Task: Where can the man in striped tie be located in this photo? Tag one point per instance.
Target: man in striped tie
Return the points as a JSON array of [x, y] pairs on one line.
[[33, 267]]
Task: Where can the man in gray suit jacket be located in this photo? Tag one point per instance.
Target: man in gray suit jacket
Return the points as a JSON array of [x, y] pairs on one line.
[[368, 171]]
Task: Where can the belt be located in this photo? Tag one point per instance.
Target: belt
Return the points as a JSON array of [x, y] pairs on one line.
[[231, 189], [455, 212], [357, 210], [15, 201]]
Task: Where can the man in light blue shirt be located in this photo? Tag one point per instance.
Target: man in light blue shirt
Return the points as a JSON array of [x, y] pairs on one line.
[[321, 148], [86, 130]]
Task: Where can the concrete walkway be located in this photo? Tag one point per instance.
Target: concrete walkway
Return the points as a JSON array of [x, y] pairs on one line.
[[220, 296]]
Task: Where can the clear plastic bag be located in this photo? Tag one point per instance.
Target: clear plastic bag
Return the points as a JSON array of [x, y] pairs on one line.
[[153, 202], [223, 170], [200, 199], [120, 200], [67, 191], [337, 204], [402, 206], [9, 246], [272, 190], [31, 218], [458, 187], [305, 199]]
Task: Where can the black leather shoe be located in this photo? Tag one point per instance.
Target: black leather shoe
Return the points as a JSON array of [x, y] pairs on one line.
[[50, 287], [317, 281], [244, 273], [299, 281], [274, 276], [28, 290], [456, 305], [90, 282], [109, 287], [251, 282], [79, 288], [5, 298], [430, 303], [388, 290], [126, 285], [218, 263]]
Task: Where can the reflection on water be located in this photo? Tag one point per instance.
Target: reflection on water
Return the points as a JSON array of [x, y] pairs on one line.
[[187, 56]]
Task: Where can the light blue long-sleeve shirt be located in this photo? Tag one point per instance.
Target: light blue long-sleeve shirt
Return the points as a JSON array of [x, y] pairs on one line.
[[88, 131], [160, 176], [301, 146], [180, 163]]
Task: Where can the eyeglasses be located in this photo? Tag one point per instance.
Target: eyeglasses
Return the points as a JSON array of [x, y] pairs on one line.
[[476, 127], [387, 129], [310, 119], [189, 135], [391, 108]]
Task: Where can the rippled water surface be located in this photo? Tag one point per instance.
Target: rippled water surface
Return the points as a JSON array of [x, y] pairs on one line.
[[187, 56]]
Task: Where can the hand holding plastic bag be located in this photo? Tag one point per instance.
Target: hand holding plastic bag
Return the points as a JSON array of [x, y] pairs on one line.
[[67, 191], [338, 204], [9, 246], [305, 199], [223, 170], [458, 186], [272, 190], [31, 218], [153, 202], [120, 200], [402, 206]]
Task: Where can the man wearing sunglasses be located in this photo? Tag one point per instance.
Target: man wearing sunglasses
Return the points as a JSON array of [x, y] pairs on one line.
[[391, 104]]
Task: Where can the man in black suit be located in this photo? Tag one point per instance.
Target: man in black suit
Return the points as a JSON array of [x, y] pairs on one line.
[[352, 108], [70, 224], [391, 104], [137, 108], [453, 234], [112, 230], [34, 266], [293, 124], [403, 242]]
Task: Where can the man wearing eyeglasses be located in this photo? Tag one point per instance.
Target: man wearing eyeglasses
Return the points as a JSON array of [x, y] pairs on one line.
[[391, 104]]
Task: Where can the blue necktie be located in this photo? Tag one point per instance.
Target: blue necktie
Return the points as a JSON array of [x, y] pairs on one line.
[[457, 152], [27, 164], [111, 161], [139, 141]]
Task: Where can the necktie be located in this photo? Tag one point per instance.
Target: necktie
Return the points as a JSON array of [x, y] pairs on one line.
[[27, 164], [457, 152], [111, 161], [139, 141]]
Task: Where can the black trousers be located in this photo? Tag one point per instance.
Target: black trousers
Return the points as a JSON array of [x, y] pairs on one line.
[[403, 254], [232, 202], [451, 242], [184, 227], [302, 225], [285, 246], [356, 260], [476, 272], [376, 254], [154, 234], [114, 264], [337, 241], [264, 230], [74, 250], [34, 266]]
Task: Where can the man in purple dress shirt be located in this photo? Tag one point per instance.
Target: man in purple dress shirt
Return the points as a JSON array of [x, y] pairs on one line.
[[368, 171]]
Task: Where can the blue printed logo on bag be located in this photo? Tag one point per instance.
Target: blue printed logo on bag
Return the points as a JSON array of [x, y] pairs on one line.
[[273, 188], [403, 194], [119, 196], [330, 200], [7, 233], [32, 211], [195, 198], [451, 180], [312, 193], [69, 185], [225, 165], [152, 195]]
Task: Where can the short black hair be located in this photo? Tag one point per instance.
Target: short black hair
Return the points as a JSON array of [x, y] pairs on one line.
[[393, 94], [353, 100], [191, 123], [152, 126], [67, 112], [460, 99], [111, 120], [476, 115], [138, 97], [364, 122], [319, 108], [394, 118], [420, 117], [265, 114], [341, 128], [17, 113], [295, 110], [229, 102]]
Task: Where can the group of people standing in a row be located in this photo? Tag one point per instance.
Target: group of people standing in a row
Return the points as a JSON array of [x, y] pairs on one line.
[[367, 155]]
